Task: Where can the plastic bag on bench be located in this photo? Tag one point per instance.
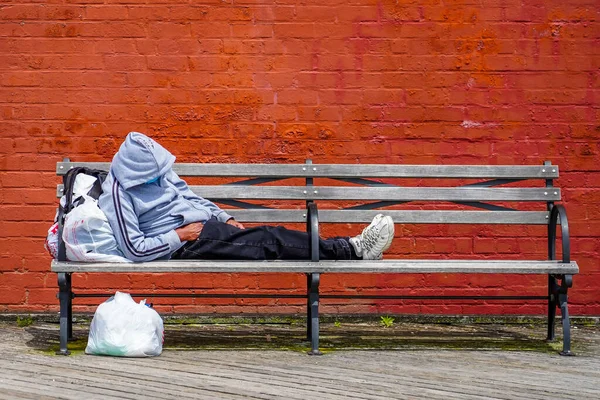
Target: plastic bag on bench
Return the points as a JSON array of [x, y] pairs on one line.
[[51, 243], [88, 235], [122, 327], [83, 184]]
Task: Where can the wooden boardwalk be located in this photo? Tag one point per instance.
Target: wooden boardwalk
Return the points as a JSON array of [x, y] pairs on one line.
[[28, 372]]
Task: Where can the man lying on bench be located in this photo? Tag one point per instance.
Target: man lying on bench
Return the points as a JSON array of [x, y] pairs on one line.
[[154, 215]]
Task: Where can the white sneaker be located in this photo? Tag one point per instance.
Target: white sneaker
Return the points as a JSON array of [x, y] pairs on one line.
[[375, 238]]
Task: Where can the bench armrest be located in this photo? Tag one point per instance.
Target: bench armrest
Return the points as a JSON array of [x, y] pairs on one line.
[[312, 227], [558, 213]]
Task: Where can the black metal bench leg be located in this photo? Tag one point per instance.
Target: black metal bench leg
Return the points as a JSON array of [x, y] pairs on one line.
[[567, 282], [313, 321], [64, 297], [566, 324], [552, 305], [70, 309], [308, 308]]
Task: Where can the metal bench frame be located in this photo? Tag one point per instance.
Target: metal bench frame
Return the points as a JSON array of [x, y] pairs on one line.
[[372, 194]]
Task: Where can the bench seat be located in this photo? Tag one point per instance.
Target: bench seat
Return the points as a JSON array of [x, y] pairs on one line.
[[321, 267]]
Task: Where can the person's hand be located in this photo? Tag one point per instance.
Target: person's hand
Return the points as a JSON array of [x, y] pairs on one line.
[[233, 222], [190, 232]]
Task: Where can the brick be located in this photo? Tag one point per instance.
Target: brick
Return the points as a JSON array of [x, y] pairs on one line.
[[277, 113], [252, 31], [245, 14], [355, 13], [315, 113], [167, 63], [276, 80], [38, 263], [12, 295], [105, 12], [169, 30], [296, 97], [122, 29], [21, 78], [42, 297], [212, 30], [22, 12], [274, 13], [125, 63], [22, 179], [13, 263], [295, 30], [26, 229], [23, 280]]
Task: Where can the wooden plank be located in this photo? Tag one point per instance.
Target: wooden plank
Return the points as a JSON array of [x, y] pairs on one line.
[[118, 382], [352, 378], [63, 167], [289, 382], [216, 192], [349, 170], [341, 266], [268, 216], [399, 216], [438, 217]]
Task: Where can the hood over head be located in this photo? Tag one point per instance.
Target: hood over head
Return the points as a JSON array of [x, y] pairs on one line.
[[139, 160]]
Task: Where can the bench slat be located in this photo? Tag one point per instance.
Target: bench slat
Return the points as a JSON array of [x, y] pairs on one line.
[[399, 216], [357, 266], [349, 170], [215, 192]]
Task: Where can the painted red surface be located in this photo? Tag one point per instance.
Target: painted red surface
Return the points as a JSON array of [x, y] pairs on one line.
[[492, 81]]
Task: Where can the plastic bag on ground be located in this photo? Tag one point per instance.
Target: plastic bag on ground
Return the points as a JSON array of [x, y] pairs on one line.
[[122, 327], [88, 235]]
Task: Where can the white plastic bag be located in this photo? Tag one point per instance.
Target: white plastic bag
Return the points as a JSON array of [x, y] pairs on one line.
[[82, 185], [122, 327], [51, 243], [88, 236]]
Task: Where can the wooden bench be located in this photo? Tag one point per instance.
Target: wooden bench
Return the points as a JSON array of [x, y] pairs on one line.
[[319, 193]]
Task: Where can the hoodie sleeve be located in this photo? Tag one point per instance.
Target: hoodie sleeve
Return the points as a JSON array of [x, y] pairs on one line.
[[187, 193], [130, 238]]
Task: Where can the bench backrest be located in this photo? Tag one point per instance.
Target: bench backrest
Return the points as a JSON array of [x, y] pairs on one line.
[[353, 193]]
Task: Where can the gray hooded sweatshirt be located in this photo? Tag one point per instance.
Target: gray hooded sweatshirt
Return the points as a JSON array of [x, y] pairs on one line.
[[144, 213]]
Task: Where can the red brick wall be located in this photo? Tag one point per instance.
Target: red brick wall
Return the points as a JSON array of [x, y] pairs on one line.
[[486, 81]]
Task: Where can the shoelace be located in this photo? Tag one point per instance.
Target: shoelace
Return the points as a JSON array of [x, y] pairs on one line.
[[370, 238]]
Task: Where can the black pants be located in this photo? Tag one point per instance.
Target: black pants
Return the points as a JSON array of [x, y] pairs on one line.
[[223, 241]]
